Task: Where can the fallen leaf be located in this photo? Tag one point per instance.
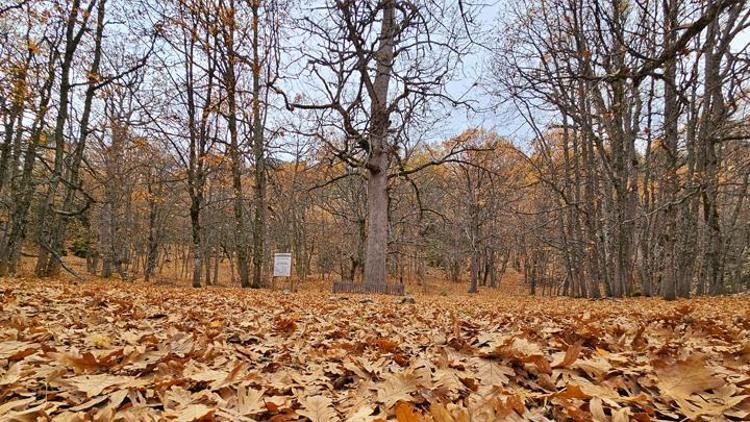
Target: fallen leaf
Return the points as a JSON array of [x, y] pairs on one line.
[[405, 413], [317, 409], [395, 388]]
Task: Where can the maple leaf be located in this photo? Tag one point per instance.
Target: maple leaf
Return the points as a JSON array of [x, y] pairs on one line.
[[249, 401], [523, 347], [597, 366], [201, 373], [448, 379], [491, 373], [317, 409], [395, 388], [687, 377], [86, 362], [231, 377], [191, 412], [93, 385]]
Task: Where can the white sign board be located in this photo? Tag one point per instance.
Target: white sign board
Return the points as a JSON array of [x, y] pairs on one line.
[[282, 264]]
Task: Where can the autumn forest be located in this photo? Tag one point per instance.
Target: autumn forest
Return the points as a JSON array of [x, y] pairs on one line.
[[370, 210]]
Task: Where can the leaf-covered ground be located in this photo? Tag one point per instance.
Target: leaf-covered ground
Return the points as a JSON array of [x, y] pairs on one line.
[[131, 352]]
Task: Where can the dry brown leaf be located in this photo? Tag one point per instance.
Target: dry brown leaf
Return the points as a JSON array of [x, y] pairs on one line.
[[11, 349], [93, 385], [597, 410], [249, 401], [317, 409], [405, 413], [440, 413], [491, 373], [396, 388], [15, 404], [115, 400], [11, 375], [571, 355], [85, 362], [687, 377], [362, 414], [91, 403], [191, 412]]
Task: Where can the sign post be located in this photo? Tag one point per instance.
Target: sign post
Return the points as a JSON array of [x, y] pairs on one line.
[[282, 265]]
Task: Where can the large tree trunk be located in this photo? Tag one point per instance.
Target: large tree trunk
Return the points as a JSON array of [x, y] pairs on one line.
[[230, 82], [714, 115], [259, 221], [376, 249], [669, 280], [377, 227]]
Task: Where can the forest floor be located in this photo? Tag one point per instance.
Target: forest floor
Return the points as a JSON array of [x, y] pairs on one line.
[[130, 351]]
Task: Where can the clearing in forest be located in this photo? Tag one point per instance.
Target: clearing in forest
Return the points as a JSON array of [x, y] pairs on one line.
[[133, 352]]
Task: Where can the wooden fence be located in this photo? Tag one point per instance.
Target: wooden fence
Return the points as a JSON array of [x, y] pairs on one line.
[[351, 287]]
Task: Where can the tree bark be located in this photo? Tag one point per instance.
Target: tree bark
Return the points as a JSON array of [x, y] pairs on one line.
[[376, 250], [259, 220]]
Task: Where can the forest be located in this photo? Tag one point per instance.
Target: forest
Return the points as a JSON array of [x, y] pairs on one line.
[[553, 194]]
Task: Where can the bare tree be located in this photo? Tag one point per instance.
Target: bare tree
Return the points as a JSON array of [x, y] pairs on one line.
[[378, 67]]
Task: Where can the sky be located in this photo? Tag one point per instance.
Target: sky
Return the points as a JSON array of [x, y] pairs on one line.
[[502, 119], [487, 113]]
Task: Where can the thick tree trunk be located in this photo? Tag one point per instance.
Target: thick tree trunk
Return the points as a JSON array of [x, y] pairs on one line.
[[378, 161], [230, 82], [377, 227], [259, 221], [669, 279], [711, 131]]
